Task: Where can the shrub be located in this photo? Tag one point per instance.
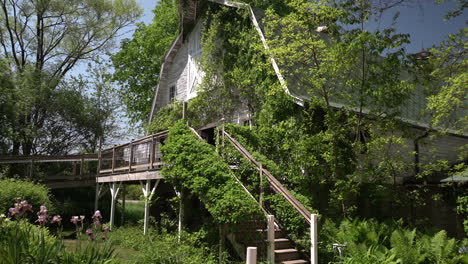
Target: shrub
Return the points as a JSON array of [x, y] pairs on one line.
[[163, 247], [35, 194], [194, 165], [369, 241]]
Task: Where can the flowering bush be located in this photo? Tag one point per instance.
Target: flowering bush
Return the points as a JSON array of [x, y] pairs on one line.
[[23, 242]]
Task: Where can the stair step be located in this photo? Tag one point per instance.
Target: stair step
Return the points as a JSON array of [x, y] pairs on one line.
[[278, 233], [282, 243], [286, 254], [297, 261]]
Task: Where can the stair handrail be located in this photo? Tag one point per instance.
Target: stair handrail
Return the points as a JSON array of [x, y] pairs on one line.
[[274, 183], [237, 180]]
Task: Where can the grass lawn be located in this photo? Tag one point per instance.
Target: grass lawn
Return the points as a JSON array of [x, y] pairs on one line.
[[134, 211]]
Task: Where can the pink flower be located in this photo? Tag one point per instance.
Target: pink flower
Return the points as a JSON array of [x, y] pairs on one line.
[[97, 214], [89, 231], [42, 219], [57, 219], [103, 236], [105, 228], [75, 219], [13, 211], [82, 217], [92, 236], [42, 215]]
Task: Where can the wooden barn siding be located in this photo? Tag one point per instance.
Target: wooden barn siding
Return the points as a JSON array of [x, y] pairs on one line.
[[443, 147]]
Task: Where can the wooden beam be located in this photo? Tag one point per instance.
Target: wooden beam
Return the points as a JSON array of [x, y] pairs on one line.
[[134, 176], [43, 158]]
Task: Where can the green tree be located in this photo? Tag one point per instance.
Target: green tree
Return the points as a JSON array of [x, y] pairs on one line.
[[447, 82], [352, 74], [138, 63], [41, 42]]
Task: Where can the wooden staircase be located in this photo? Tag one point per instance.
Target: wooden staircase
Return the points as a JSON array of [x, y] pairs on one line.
[[255, 234], [284, 250]]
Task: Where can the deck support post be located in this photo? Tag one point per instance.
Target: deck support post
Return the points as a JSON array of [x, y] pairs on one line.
[[122, 219], [99, 193], [31, 169], [114, 192], [313, 239], [96, 198], [181, 214], [222, 242], [81, 168], [147, 194], [271, 238]]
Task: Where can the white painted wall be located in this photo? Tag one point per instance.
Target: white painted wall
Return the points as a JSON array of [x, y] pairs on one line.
[[183, 71]]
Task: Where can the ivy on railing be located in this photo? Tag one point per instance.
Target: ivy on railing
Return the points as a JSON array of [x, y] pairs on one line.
[[194, 165], [296, 226]]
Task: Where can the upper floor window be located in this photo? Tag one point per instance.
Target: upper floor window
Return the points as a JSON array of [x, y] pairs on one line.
[[172, 93]]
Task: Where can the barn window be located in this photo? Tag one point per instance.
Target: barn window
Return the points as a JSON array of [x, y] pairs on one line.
[[172, 93]]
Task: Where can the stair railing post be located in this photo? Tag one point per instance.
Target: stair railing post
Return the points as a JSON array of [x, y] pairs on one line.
[[313, 239], [251, 255], [222, 131], [260, 197], [271, 238]]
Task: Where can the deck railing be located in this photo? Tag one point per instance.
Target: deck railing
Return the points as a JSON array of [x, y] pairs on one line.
[[137, 155]]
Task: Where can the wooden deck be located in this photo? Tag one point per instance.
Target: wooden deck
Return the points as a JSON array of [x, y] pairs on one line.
[[134, 161]]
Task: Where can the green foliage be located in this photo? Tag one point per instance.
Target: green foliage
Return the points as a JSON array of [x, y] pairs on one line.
[[462, 209], [132, 192], [166, 117], [276, 204], [138, 63], [368, 241], [446, 82], [163, 247], [194, 165], [236, 70], [35, 194], [43, 108], [21, 242]]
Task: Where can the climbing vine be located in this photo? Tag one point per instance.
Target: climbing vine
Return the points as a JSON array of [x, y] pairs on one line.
[[194, 165]]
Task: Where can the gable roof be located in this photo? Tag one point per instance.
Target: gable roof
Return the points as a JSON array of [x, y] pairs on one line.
[[410, 111]]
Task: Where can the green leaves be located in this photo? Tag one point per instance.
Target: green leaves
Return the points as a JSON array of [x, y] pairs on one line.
[[194, 165], [447, 81], [369, 241], [138, 63]]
